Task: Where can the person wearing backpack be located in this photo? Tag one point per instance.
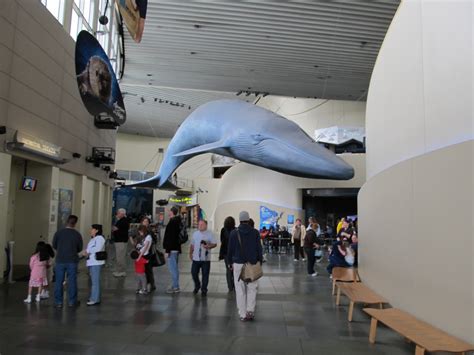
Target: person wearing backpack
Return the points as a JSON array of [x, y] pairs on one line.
[[175, 235]]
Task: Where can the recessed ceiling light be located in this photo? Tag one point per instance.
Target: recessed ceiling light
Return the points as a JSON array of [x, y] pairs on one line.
[[197, 26], [149, 74], [192, 53], [316, 66]]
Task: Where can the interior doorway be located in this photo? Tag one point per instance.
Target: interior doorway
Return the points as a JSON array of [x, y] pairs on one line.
[[28, 216], [329, 205]]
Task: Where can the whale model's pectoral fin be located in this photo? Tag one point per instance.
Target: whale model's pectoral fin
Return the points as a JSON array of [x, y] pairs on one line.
[[205, 148]]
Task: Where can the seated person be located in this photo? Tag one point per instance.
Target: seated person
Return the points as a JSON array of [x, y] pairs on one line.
[[354, 246], [337, 256], [345, 233]]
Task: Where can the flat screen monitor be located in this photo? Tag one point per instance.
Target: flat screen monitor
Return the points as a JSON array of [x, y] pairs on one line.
[[28, 183]]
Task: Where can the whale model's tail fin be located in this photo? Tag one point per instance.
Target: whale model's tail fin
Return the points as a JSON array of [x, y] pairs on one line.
[[154, 183]]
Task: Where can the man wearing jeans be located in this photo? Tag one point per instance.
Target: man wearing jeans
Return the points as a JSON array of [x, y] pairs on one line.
[[120, 233], [200, 254], [172, 247], [68, 244]]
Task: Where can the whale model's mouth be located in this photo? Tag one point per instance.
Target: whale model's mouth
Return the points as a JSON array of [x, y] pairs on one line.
[[310, 160]]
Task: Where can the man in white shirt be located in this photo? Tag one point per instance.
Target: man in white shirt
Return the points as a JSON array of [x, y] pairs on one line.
[[200, 253]]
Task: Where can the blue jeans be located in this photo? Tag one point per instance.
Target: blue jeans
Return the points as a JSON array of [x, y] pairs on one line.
[[94, 272], [61, 270], [205, 266], [173, 268]]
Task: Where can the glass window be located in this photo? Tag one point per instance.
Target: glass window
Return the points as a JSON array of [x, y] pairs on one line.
[[74, 25], [56, 7]]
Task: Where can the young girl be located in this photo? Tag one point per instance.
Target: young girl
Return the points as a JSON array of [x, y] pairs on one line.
[[38, 274]]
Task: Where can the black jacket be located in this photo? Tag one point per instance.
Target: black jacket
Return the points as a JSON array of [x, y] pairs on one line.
[[224, 243], [311, 238], [251, 249], [171, 238], [121, 234]]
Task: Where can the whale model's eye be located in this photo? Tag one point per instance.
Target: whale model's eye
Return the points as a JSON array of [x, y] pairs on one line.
[[257, 138]]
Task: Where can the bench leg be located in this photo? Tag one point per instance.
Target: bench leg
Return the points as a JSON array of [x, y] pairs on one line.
[[338, 296], [351, 310], [381, 305], [419, 350], [373, 330], [333, 287]]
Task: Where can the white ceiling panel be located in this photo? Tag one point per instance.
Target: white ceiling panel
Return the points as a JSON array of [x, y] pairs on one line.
[[304, 49]]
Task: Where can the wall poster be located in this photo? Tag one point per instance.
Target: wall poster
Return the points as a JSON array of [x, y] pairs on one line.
[[64, 207]]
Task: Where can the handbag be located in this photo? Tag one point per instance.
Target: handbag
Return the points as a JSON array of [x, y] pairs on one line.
[[318, 253], [160, 258], [101, 255], [250, 272]]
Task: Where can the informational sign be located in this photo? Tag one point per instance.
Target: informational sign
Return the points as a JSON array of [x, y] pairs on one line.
[[98, 85], [37, 145]]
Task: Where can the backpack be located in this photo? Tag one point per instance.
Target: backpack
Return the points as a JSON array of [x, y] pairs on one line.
[[183, 234]]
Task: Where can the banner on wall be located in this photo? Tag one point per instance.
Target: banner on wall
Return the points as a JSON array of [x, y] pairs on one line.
[[98, 85], [268, 217], [64, 207]]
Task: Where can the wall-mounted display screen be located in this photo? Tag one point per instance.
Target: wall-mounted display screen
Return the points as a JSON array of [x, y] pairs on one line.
[[28, 183]]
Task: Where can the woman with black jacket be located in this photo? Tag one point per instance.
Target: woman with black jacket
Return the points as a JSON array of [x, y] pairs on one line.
[[229, 226]]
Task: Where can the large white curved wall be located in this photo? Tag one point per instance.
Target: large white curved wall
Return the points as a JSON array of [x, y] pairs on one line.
[[420, 96], [416, 208], [247, 187]]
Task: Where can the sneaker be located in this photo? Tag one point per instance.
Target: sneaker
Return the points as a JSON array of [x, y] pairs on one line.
[[176, 290], [143, 292], [92, 303], [204, 293], [250, 316], [314, 274], [195, 291], [319, 260], [170, 290], [38, 298], [72, 305], [330, 276], [303, 259], [27, 299], [44, 295], [295, 259], [244, 319], [58, 305]]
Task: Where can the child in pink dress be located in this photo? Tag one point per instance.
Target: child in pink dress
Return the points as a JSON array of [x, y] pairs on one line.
[[38, 277]]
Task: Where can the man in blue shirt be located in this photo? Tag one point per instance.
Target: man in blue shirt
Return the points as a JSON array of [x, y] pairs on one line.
[[200, 254], [68, 245]]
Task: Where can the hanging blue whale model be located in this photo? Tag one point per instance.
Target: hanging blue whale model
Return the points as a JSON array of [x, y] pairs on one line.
[[252, 134]]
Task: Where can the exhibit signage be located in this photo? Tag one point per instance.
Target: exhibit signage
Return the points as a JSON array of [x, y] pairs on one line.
[[38, 145], [183, 200]]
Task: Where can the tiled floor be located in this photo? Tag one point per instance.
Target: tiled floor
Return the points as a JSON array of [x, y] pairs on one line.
[[296, 314]]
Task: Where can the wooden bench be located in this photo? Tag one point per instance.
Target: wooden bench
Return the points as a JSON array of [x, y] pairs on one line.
[[345, 274], [425, 336], [357, 292]]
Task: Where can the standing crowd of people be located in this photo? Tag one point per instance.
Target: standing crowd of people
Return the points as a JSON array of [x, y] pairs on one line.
[[240, 249]]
